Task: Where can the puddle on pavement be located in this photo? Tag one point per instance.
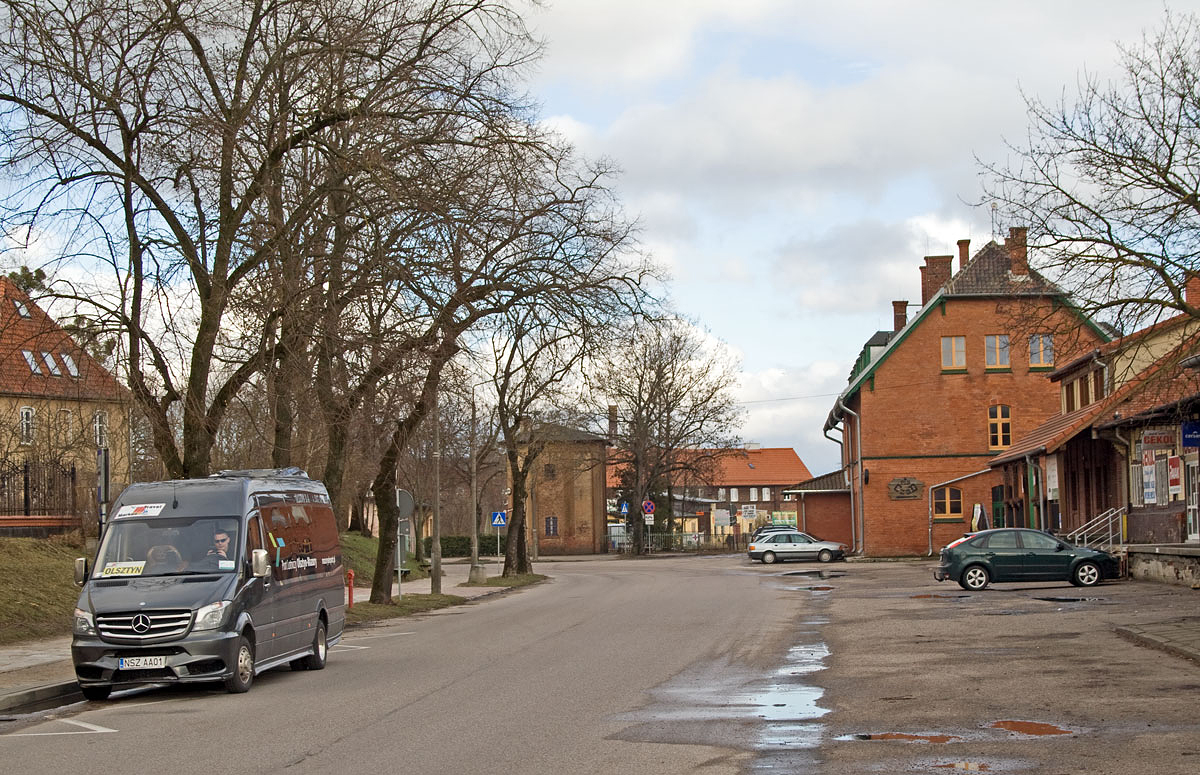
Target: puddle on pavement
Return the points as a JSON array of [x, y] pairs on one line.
[[964, 766], [775, 717], [1032, 728], [815, 589], [937, 597], [822, 574], [1071, 599], [903, 737]]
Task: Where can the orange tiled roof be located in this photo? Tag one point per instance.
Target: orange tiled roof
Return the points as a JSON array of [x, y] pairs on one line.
[[25, 328], [748, 467]]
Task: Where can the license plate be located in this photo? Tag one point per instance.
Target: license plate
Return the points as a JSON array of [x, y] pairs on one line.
[[140, 663]]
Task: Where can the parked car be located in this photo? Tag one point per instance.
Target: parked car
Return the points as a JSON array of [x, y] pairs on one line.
[[1018, 554], [782, 545], [768, 529]]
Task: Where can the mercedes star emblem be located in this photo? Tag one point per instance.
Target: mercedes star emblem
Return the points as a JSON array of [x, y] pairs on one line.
[[141, 624]]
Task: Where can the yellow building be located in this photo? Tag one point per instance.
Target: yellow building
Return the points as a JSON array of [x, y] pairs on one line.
[[62, 412]]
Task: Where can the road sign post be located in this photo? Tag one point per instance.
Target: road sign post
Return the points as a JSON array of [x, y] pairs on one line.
[[499, 520]]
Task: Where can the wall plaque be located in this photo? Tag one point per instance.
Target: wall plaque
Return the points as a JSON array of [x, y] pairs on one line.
[[905, 488]]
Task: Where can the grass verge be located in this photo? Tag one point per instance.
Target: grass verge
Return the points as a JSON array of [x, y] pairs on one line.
[[523, 580], [39, 592], [405, 605]]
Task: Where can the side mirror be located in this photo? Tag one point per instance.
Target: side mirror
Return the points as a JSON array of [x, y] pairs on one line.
[[260, 564], [1061, 546], [81, 571]]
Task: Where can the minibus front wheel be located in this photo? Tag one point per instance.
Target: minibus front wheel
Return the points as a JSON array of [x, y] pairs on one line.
[[243, 670]]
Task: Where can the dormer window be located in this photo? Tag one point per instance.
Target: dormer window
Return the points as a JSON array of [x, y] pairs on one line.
[[51, 365], [32, 361], [22, 310], [69, 362]]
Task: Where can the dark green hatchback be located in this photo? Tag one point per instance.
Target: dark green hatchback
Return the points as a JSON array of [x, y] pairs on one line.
[[1016, 554]]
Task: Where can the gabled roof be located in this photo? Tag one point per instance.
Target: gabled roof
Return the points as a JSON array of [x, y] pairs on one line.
[[988, 274], [38, 359], [773, 466]]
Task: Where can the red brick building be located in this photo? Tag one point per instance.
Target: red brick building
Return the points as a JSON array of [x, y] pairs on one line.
[[932, 401], [823, 507]]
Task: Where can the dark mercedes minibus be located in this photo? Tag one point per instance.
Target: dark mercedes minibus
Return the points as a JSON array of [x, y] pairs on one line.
[[214, 579]]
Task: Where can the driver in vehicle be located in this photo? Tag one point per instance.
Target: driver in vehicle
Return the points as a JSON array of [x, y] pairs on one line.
[[220, 547]]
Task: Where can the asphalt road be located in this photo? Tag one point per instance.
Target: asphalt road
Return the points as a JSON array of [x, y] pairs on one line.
[[708, 665]]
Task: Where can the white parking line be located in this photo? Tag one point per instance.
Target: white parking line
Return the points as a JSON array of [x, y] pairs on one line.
[[89, 729]]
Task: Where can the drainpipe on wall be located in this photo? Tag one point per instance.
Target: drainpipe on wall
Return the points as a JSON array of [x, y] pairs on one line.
[[862, 539], [841, 456], [933, 487], [803, 515]]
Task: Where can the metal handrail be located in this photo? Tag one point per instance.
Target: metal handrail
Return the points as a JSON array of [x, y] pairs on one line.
[[1109, 525]]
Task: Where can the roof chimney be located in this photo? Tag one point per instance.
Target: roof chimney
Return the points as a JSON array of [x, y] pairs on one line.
[[934, 275], [612, 423], [1191, 290], [1018, 253], [964, 253], [899, 314]]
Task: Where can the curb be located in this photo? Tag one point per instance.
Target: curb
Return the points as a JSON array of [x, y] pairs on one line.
[[30, 700], [1150, 641]]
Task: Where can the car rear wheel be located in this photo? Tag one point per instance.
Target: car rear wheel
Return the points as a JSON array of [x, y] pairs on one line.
[[315, 660], [768, 558], [975, 578], [825, 556], [1087, 574]]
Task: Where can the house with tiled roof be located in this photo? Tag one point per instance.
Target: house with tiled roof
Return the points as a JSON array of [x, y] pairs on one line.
[[1115, 460], [60, 408], [728, 492], [952, 387]]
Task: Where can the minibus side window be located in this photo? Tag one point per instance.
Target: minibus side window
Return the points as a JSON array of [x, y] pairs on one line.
[[254, 538]]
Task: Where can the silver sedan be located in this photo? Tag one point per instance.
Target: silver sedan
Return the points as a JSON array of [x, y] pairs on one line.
[[794, 545]]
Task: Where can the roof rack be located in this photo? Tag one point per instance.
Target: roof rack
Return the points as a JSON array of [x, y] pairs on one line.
[[263, 473]]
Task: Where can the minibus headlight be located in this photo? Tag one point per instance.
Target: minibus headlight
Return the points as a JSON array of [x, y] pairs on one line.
[[83, 623], [210, 616]]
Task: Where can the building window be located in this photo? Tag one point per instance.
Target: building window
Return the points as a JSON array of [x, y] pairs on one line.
[[51, 364], [996, 351], [954, 352], [1041, 350], [787, 496], [753, 494], [1097, 385], [31, 361], [22, 310], [551, 526], [100, 427], [720, 493], [947, 502], [27, 425], [999, 427], [733, 494], [1070, 402], [766, 493], [69, 362], [549, 472]]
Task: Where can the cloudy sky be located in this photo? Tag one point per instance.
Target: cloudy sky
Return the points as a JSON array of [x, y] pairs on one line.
[[792, 162]]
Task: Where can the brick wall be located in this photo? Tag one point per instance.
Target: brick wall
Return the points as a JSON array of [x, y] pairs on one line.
[[570, 486], [921, 423], [825, 515]]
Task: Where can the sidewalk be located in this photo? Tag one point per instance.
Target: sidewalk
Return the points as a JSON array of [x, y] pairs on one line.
[[41, 671]]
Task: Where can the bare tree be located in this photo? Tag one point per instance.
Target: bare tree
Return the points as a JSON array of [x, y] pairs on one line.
[[674, 402], [1108, 182]]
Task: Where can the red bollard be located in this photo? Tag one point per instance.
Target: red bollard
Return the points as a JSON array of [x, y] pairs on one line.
[[350, 583]]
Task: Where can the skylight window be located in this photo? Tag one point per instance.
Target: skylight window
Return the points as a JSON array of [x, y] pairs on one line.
[[51, 365], [22, 310], [31, 359], [69, 362]]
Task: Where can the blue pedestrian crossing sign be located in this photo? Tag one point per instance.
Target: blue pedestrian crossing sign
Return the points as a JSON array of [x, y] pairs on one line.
[[499, 518], [624, 507]]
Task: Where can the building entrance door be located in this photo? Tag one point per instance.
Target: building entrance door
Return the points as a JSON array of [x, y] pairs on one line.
[[1192, 482]]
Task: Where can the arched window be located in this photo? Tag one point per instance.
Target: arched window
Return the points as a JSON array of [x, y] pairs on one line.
[[999, 427], [947, 502]]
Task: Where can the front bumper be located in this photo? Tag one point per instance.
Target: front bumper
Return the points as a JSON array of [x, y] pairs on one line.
[[941, 574], [198, 656]]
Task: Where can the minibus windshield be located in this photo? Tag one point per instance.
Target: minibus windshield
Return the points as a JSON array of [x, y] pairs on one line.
[[170, 546]]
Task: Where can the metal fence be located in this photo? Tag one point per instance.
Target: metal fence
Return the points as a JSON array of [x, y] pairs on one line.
[[37, 488], [678, 542]]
